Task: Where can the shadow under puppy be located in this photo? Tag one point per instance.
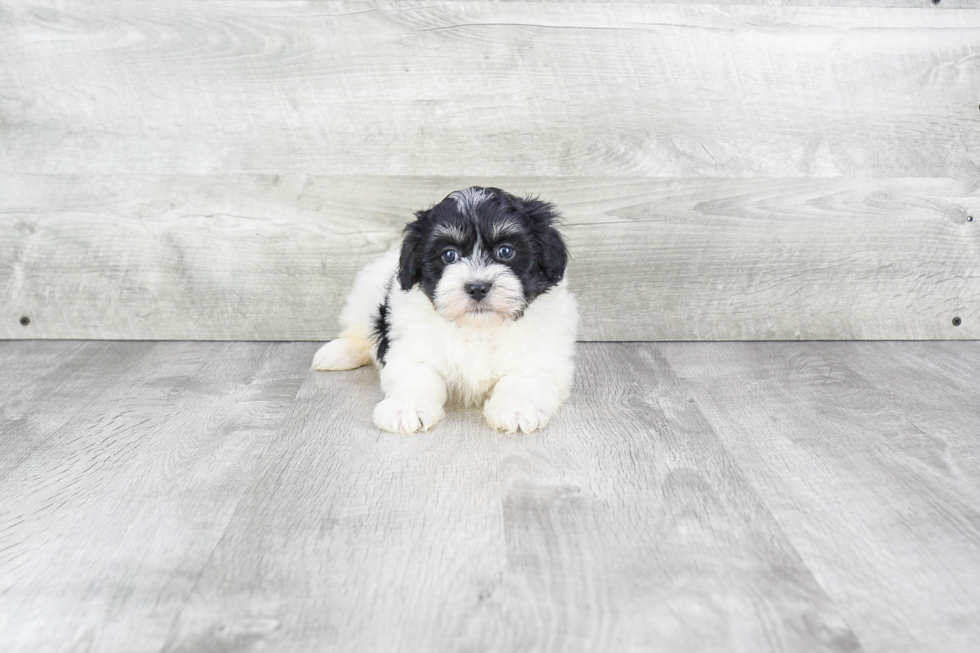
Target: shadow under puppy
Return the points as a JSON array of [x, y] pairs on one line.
[[474, 307]]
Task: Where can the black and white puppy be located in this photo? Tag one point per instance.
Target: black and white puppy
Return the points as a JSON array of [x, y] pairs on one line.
[[474, 307]]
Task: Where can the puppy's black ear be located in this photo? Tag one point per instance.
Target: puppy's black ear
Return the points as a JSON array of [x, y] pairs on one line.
[[410, 261], [552, 253]]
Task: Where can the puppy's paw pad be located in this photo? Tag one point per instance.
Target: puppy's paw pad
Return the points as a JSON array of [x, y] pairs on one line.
[[515, 415], [405, 416], [340, 354]]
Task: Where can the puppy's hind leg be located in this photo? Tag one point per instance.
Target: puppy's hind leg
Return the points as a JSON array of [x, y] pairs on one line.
[[353, 347], [345, 353]]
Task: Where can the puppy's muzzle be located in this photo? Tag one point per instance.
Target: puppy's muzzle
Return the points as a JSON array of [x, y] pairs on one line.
[[477, 290]]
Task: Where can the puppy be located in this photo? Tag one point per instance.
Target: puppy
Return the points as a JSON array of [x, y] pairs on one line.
[[473, 308]]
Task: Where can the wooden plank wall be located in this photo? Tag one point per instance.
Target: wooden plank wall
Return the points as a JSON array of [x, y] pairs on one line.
[[219, 170]]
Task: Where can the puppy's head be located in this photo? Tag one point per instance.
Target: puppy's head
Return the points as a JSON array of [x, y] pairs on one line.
[[482, 254]]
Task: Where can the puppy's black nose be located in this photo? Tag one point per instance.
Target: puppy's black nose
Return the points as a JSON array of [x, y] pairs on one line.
[[477, 290]]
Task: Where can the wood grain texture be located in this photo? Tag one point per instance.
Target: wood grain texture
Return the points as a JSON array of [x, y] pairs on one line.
[[870, 468], [272, 257], [945, 4], [32, 372], [351, 539], [219, 170], [630, 528], [119, 470], [728, 496], [518, 88], [582, 538]]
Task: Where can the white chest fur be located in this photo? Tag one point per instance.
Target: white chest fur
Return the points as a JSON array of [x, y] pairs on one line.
[[473, 356]]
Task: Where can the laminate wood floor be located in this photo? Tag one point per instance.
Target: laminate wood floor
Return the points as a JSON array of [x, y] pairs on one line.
[[220, 497]]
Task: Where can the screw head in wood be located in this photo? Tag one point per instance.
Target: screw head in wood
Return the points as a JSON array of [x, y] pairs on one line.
[[24, 321], [969, 218], [935, 2], [957, 321]]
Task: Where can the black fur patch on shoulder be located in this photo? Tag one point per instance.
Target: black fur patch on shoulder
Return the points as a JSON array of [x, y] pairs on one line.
[[380, 333]]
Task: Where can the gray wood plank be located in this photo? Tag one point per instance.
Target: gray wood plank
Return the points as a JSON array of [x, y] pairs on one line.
[[478, 88], [766, 496], [352, 539], [137, 458], [881, 502], [957, 362], [40, 385], [935, 385], [945, 4], [630, 527], [623, 526], [272, 257]]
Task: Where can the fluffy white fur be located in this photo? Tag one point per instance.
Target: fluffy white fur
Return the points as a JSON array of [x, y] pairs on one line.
[[505, 299], [522, 368]]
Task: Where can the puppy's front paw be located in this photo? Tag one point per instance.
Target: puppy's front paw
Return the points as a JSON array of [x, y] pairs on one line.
[[510, 413], [406, 416]]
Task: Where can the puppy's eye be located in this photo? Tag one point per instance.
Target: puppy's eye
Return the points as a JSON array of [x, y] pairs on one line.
[[450, 256], [505, 252]]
